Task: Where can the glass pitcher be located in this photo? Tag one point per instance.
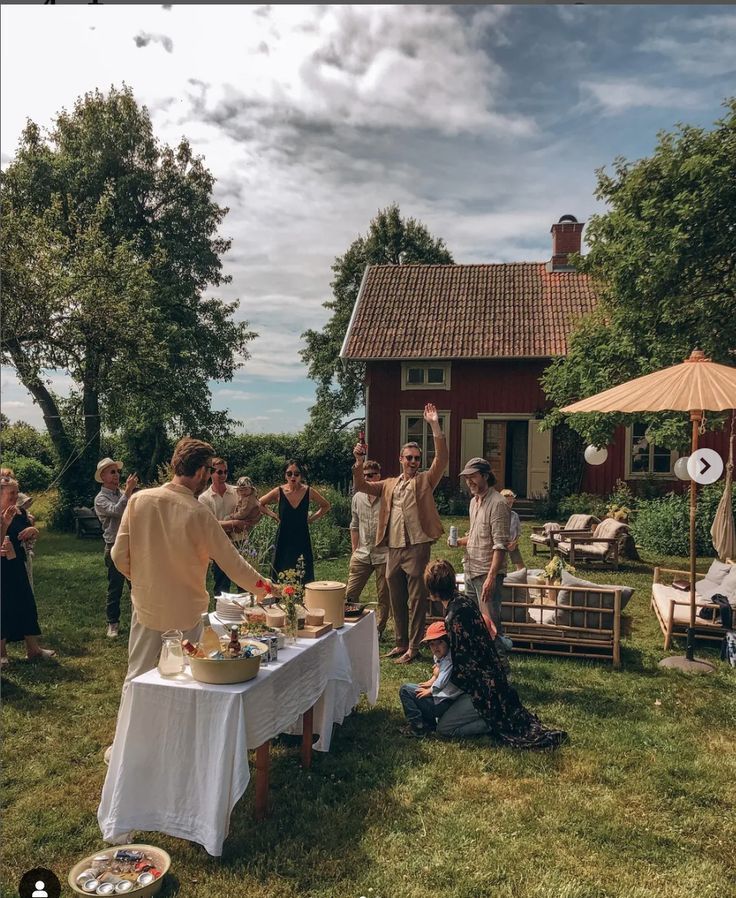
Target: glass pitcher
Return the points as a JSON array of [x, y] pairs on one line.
[[171, 659]]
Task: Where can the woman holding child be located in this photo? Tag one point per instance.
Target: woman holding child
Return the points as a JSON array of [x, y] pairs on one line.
[[489, 704]]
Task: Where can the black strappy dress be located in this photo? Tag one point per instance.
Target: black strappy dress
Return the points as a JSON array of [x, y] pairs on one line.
[[292, 537]]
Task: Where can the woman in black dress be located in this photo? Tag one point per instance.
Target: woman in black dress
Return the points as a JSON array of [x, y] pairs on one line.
[[477, 670], [292, 537], [18, 617]]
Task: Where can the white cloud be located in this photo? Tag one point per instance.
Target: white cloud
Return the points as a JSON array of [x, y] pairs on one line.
[[233, 394], [702, 47], [15, 403], [618, 96]]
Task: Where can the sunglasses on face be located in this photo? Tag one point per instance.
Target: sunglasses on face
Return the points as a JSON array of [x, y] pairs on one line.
[[221, 472], [293, 473], [412, 458], [372, 473]]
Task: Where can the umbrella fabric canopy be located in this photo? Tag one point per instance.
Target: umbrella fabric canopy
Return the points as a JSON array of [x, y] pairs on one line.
[[723, 531], [697, 384]]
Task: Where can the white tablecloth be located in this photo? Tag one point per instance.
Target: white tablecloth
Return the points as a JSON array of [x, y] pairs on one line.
[[179, 761]]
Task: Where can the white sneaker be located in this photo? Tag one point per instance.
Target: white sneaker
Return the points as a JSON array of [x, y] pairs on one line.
[[112, 631], [108, 753]]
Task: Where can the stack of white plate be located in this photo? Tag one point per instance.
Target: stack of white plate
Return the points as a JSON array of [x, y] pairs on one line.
[[228, 611]]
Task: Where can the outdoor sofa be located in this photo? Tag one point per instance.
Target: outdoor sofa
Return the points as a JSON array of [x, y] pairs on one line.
[[672, 606], [576, 618]]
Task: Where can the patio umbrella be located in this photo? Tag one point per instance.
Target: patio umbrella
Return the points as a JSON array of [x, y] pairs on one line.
[[696, 385], [723, 531]]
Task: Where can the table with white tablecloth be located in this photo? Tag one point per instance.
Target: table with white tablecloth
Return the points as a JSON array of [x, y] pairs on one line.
[[179, 761]]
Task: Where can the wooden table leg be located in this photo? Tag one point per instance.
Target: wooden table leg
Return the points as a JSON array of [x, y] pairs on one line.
[[307, 729], [263, 763]]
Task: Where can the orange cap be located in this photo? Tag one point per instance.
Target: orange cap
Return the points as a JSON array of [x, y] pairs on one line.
[[435, 630]]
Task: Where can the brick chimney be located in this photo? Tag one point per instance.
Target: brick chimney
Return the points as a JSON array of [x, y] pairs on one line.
[[566, 238]]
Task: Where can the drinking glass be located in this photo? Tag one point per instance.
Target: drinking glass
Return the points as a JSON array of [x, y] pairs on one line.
[[171, 659]]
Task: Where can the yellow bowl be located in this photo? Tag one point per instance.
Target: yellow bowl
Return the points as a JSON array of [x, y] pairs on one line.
[[228, 670], [163, 862]]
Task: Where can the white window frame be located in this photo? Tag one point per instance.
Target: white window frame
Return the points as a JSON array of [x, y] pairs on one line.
[[445, 366], [419, 413], [646, 475]]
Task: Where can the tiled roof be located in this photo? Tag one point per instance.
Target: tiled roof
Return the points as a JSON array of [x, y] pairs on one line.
[[466, 311]]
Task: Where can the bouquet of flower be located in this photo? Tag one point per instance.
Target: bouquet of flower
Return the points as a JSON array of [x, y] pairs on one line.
[[554, 568], [291, 582]]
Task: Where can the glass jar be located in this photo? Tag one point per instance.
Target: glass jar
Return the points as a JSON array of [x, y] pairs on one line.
[[171, 659]]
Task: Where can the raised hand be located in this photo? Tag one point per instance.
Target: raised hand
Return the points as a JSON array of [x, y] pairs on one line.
[[360, 450], [430, 413]]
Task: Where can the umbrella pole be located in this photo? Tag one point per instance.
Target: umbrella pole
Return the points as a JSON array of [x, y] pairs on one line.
[[690, 650], [688, 663]]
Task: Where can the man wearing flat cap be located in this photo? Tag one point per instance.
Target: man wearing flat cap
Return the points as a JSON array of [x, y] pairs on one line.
[[484, 562], [110, 504]]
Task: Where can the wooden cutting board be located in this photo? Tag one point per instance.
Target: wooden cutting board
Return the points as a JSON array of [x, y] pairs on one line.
[[309, 632]]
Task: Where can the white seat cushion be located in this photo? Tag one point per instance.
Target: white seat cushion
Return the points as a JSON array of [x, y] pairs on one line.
[[663, 595]]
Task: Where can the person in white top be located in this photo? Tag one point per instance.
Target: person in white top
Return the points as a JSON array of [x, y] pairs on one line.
[[222, 498], [424, 703], [368, 558]]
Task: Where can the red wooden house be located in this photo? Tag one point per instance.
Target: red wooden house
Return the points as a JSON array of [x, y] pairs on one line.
[[475, 339]]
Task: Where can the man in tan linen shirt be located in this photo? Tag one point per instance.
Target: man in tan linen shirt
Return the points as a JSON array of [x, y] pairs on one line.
[[165, 542], [408, 523]]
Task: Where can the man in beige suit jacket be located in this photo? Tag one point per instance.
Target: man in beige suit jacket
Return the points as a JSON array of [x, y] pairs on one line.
[[408, 524]]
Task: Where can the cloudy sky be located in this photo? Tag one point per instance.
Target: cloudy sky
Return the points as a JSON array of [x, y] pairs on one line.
[[485, 122]]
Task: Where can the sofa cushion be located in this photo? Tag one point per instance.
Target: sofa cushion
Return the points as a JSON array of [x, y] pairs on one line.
[[593, 600], [718, 571], [513, 597], [663, 595], [581, 522], [728, 585], [610, 529]]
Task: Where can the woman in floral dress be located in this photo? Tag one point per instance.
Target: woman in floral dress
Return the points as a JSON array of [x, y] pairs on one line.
[[476, 669]]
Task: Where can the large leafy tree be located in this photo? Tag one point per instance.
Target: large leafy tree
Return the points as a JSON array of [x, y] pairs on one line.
[[663, 258], [109, 242], [391, 240]]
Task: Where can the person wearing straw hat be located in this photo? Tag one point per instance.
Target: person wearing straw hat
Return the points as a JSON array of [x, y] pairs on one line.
[[110, 503]]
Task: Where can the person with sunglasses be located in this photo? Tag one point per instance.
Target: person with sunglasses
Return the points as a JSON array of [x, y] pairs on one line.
[[221, 498], [292, 537], [408, 524], [110, 503], [367, 557]]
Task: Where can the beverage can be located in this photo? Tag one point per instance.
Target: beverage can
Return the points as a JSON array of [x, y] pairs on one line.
[[90, 885], [453, 536], [86, 875], [105, 888], [125, 885], [145, 879]]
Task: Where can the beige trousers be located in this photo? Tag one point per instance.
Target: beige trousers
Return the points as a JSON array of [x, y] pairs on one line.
[[409, 596], [144, 647], [358, 575]]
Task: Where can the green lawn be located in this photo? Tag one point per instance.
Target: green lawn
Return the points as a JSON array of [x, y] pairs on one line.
[[639, 803]]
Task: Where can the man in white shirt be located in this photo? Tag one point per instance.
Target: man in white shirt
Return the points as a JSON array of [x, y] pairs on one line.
[[368, 558], [221, 498]]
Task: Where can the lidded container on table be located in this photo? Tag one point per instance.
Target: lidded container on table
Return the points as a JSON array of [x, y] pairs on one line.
[[328, 595]]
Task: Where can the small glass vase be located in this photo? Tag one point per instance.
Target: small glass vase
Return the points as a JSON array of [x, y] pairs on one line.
[[292, 624]]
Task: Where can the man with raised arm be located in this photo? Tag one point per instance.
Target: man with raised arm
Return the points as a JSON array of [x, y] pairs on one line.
[[408, 524]]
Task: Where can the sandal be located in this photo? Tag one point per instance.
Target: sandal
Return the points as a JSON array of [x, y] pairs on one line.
[[4, 662], [42, 655], [395, 653]]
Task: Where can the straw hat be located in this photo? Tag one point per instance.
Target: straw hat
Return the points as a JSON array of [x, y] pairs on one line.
[[106, 463]]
